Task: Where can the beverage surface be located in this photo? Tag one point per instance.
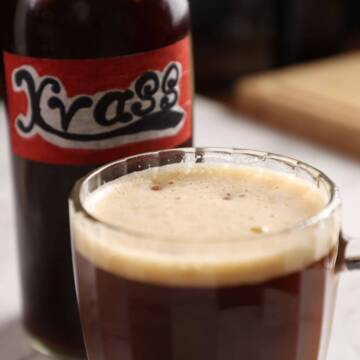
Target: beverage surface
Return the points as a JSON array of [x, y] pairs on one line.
[[205, 224], [204, 202]]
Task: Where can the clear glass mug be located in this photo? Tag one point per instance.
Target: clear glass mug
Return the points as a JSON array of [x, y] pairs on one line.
[[287, 317]]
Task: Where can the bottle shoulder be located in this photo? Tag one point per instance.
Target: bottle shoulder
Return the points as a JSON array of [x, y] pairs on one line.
[[89, 28]]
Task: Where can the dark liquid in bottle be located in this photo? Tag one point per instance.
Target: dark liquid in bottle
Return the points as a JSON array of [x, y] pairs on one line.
[[68, 29]]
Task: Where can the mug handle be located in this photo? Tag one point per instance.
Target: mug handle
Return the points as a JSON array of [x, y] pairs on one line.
[[348, 253]]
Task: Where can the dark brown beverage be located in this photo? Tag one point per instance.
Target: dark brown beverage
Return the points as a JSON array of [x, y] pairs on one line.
[[280, 319], [68, 29], [195, 263]]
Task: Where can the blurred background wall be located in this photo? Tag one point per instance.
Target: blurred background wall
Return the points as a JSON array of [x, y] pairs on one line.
[[237, 37]]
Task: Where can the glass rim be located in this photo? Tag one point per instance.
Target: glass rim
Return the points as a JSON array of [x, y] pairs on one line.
[[331, 206]]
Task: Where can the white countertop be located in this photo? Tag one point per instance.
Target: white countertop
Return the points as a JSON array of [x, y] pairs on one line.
[[214, 126]]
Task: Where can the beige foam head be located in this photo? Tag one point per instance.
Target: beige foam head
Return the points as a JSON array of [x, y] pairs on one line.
[[204, 225]]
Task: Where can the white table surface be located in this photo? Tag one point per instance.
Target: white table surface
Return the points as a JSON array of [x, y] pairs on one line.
[[214, 126]]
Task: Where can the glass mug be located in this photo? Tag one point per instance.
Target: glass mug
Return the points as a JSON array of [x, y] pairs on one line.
[[286, 318]]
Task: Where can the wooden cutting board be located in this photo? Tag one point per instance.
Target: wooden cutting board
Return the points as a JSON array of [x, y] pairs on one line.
[[320, 100]]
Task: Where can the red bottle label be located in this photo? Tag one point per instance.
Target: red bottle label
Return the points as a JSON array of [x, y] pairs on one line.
[[94, 111]]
